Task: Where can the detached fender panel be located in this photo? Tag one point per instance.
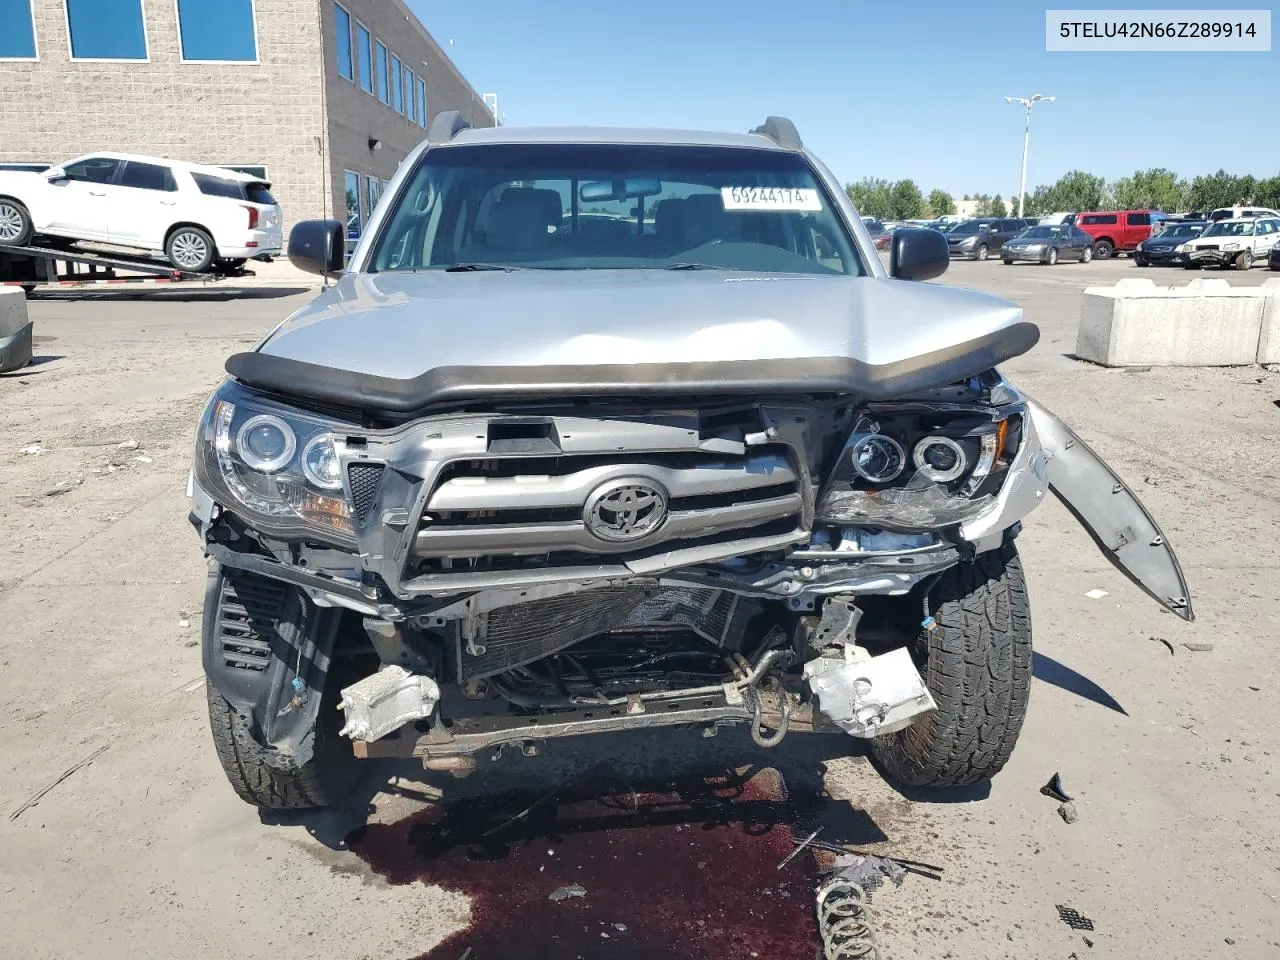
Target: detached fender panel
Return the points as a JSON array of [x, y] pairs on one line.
[[1116, 519]]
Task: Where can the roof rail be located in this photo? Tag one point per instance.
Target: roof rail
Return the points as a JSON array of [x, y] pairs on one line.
[[781, 131], [446, 126]]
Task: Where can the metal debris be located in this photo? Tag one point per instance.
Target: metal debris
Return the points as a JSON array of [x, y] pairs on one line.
[[565, 893], [1087, 942], [1199, 647], [1073, 918], [1067, 811], [796, 852], [1056, 789], [843, 915], [1164, 641], [867, 871]]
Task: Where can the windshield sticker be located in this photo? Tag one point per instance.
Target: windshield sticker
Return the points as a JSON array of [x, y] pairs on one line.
[[797, 199]]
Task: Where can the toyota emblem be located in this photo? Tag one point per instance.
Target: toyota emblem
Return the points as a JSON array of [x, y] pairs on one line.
[[625, 509]]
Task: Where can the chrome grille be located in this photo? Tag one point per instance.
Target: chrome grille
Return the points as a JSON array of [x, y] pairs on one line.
[[503, 512]]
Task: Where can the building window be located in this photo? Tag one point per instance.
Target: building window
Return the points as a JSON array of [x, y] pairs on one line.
[[422, 103], [380, 67], [397, 85], [106, 30], [18, 39], [351, 184], [373, 186], [342, 33], [410, 103], [252, 169], [364, 59], [219, 31]]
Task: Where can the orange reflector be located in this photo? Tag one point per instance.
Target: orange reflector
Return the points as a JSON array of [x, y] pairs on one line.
[[1002, 431]]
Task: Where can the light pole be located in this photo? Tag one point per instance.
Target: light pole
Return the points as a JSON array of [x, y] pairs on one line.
[[1026, 140], [491, 101]]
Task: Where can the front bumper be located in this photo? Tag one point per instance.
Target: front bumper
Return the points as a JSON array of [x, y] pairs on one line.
[[1202, 255], [429, 534], [1023, 253], [964, 252], [1161, 256]]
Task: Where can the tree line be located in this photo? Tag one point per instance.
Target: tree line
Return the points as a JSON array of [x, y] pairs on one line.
[[1156, 189]]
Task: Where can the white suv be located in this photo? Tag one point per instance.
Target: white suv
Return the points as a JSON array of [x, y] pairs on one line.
[[1237, 243], [197, 216]]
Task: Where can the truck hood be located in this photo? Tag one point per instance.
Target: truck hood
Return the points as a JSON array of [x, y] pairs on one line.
[[427, 336]]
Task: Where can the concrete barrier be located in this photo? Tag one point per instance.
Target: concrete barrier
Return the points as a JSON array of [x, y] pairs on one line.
[[15, 330], [1269, 338], [1206, 323]]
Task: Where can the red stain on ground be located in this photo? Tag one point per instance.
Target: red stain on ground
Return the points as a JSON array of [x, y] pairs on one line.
[[685, 870]]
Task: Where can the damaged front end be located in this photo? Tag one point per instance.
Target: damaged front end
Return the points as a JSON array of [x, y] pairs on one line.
[[530, 571]]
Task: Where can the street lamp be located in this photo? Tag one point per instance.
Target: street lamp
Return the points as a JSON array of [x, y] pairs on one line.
[[1026, 139], [491, 101]]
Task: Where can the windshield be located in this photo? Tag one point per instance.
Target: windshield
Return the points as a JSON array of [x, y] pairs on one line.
[[1042, 233], [1230, 228], [614, 206], [972, 226], [1179, 230]]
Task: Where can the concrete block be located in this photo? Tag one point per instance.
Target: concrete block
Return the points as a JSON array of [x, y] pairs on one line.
[[15, 329], [1206, 323], [1269, 338]]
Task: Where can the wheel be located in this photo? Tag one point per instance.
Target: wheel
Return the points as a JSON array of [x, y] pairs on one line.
[[1190, 265], [1140, 260], [191, 249], [1273, 264], [231, 266], [976, 662], [982, 253], [1104, 249], [15, 223], [1052, 258], [1086, 254], [1245, 260], [1008, 262], [332, 770]]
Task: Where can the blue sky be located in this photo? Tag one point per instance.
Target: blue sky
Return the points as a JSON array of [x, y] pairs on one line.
[[907, 89]]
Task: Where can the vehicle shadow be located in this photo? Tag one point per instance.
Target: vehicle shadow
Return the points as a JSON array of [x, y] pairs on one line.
[[27, 369], [202, 295], [1050, 671]]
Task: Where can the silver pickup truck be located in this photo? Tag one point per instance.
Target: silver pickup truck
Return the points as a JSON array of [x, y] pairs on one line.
[[610, 429]]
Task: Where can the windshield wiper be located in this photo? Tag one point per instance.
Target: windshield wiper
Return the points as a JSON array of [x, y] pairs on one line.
[[477, 267], [691, 265]]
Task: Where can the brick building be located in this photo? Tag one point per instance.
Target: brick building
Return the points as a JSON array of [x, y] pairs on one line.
[[324, 99]]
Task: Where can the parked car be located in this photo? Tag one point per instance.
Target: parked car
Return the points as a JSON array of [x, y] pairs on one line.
[[1273, 258], [1241, 213], [642, 515], [880, 235], [196, 216], [1163, 247], [978, 238], [1049, 244], [1055, 219], [1234, 243], [1114, 230]]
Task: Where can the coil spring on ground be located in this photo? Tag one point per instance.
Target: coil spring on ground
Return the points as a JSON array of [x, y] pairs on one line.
[[843, 922]]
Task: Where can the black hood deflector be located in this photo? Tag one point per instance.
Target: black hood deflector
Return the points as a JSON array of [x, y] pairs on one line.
[[458, 384]]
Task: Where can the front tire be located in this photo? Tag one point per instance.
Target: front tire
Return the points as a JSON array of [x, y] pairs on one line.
[[1052, 258], [982, 252], [1086, 255], [1140, 260], [977, 664], [15, 223], [191, 249], [1245, 260]]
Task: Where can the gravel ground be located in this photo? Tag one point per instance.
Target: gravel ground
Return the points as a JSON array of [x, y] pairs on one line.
[[145, 852]]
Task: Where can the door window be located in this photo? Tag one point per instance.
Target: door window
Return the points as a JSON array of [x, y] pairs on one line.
[[1138, 219], [147, 176], [93, 169]]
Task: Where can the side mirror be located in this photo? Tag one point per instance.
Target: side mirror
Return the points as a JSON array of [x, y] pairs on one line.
[[56, 175], [318, 246], [918, 254]]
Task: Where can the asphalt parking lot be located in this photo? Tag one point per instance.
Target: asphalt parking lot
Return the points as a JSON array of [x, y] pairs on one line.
[[145, 851]]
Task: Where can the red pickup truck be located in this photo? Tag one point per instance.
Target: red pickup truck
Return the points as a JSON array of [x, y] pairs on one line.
[[1114, 230]]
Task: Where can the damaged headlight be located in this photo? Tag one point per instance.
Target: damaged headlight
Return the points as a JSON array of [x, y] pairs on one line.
[[278, 464], [921, 465]]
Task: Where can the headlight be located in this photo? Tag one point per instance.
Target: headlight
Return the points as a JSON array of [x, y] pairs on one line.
[[1184, 248], [1231, 246], [960, 454], [247, 457]]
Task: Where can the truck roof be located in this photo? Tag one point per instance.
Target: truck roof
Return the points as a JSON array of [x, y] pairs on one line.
[[638, 135]]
